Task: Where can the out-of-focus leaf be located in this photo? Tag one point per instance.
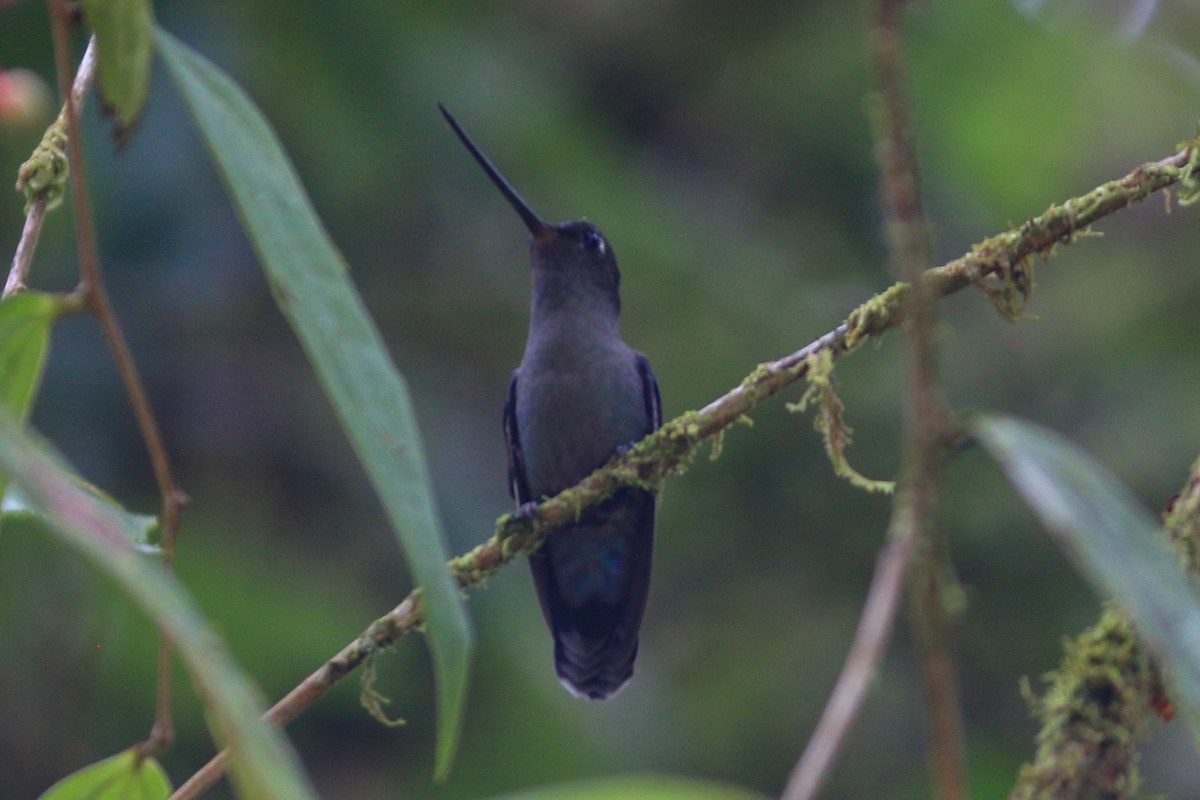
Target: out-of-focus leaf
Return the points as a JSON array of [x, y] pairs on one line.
[[125, 42], [637, 787], [312, 287], [144, 528], [264, 765], [118, 777], [25, 322], [1116, 544]]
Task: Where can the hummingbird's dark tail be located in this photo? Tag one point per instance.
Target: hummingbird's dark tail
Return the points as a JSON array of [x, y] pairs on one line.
[[595, 668], [592, 580]]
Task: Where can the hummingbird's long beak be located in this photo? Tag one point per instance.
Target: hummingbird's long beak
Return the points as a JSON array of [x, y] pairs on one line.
[[537, 226]]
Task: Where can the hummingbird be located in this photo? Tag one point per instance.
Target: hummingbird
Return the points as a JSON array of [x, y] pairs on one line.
[[579, 396]]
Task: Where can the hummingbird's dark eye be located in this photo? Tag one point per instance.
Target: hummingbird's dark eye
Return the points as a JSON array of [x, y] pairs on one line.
[[593, 242]]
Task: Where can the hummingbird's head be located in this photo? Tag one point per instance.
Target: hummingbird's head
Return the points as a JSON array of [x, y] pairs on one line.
[[573, 264]]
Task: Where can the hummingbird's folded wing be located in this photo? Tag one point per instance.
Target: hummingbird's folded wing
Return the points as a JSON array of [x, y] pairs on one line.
[[518, 483]]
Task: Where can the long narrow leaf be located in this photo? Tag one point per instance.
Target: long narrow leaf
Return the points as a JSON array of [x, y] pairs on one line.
[[264, 765], [312, 287], [1116, 544]]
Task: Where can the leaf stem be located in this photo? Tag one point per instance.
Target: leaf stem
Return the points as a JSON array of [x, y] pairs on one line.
[[92, 287]]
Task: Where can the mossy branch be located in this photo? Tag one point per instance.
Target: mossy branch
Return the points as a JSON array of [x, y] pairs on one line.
[[1097, 704], [998, 261], [1093, 715]]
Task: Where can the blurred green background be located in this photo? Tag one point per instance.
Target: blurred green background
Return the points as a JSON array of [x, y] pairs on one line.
[[726, 151]]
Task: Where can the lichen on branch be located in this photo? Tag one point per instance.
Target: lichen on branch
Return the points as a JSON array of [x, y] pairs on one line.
[[828, 422], [1097, 703]]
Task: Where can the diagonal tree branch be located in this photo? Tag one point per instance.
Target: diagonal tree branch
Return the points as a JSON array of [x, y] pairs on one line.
[[997, 264], [870, 640]]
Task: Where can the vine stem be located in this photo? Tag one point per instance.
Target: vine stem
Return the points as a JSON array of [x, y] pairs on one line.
[[26, 246], [36, 213], [92, 289]]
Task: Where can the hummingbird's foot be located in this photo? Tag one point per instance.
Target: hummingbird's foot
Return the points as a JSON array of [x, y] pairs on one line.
[[523, 519], [527, 511]]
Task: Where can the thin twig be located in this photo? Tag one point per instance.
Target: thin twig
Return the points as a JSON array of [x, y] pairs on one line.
[[664, 452], [931, 583], [25, 248], [911, 250], [162, 734], [404, 618], [870, 640], [36, 214]]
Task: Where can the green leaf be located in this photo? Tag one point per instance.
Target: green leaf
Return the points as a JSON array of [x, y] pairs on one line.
[[119, 777], [144, 528], [637, 787], [25, 321], [24, 338], [264, 765], [124, 44], [311, 285], [1115, 543]]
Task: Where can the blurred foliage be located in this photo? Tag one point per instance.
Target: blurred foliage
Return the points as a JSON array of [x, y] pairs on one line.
[[726, 152], [313, 288], [119, 777]]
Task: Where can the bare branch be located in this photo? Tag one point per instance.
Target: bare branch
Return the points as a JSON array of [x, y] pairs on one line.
[[911, 250], [866, 651], [25, 248]]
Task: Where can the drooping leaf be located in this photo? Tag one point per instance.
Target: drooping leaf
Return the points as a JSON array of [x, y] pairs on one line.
[[124, 44], [144, 528], [312, 287], [1115, 543], [636, 787], [264, 765], [118, 777], [25, 321]]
